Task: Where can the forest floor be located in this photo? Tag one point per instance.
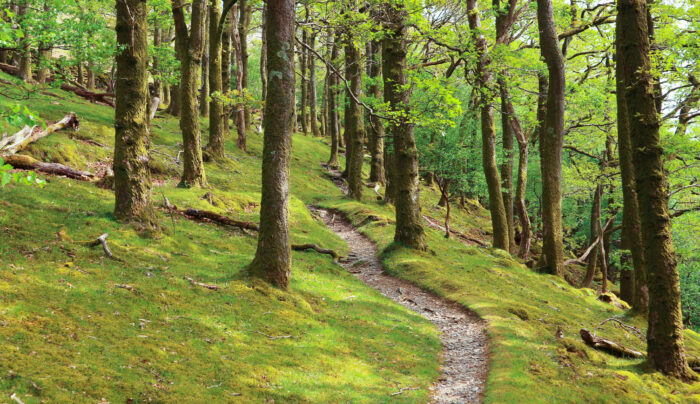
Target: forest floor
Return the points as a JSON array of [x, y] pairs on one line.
[[70, 334]]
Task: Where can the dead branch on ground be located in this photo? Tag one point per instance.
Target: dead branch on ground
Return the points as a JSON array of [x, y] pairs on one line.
[[608, 346]]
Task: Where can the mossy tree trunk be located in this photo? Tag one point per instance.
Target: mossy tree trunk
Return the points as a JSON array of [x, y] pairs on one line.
[[631, 226], [25, 52], [272, 260], [204, 91], [303, 54], [499, 219], [409, 228], [354, 127], [311, 61], [333, 124], [246, 11], [551, 143], [157, 41], [507, 167], [239, 111], [216, 109], [665, 332], [190, 44], [263, 56], [132, 180], [592, 264], [226, 67], [376, 126]]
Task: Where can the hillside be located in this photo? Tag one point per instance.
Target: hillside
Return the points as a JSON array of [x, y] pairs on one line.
[[72, 335]]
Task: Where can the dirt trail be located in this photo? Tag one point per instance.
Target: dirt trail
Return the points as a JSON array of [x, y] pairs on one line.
[[463, 333]]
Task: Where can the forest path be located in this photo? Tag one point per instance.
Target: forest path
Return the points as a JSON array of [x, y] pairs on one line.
[[462, 332]]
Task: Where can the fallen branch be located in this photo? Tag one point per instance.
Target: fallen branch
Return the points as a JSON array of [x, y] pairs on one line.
[[315, 247], [434, 224], [272, 336], [103, 240], [583, 257], [29, 163], [402, 389], [28, 135], [124, 286], [629, 328], [204, 285], [608, 346]]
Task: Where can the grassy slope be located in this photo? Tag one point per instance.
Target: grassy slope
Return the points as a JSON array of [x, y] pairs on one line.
[[524, 309], [67, 329]]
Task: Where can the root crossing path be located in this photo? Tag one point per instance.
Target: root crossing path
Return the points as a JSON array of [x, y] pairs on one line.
[[463, 335]]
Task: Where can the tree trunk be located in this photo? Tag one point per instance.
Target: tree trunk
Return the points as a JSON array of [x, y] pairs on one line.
[[303, 54], [132, 179], [499, 219], [226, 68], [353, 120], [204, 91], [665, 331], [25, 59], [191, 44], [174, 107], [594, 225], [272, 260], [79, 79], [333, 106], [246, 11], [90, 76], [157, 40], [216, 109], [507, 166], [311, 61], [409, 228], [239, 111], [263, 55], [376, 126], [551, 142]]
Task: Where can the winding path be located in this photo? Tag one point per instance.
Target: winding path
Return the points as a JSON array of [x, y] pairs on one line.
[[462, 332]]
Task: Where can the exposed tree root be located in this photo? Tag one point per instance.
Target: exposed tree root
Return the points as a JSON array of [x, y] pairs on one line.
[[608, 346]]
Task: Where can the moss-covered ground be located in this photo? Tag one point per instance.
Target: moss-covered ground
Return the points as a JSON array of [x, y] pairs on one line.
[[68, 334]]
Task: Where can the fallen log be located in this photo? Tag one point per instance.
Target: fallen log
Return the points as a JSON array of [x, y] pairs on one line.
[[103, 98], [217, 218], [12, 144], [608, 346], [30, 163], [315, 247]]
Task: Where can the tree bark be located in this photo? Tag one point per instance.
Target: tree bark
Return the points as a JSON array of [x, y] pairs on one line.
[[246, 11], [311, 62], [204, 91], [333, 106], [499, 219], [263, 55], [507, 166], [191, 45], [376, 126], [665, 332], [226, 67], [303, 54], [354, 127], [551, 142], [409, 227], [594, 225], [25, 52], [631, 225], [239, 111], [132, 178], [216, 110], [272, 260]]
